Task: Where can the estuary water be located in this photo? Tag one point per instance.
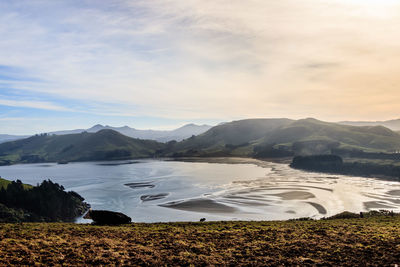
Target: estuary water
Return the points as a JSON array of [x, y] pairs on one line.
[[236, 189]]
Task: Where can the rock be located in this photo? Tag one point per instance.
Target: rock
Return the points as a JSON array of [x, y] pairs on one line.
[[107, 217]]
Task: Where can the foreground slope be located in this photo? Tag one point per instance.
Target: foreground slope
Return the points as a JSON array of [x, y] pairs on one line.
[[103, 145], [341, 242]]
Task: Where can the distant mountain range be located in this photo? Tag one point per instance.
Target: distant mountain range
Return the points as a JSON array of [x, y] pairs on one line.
[[260, 138], [178, 134], [391, 124]]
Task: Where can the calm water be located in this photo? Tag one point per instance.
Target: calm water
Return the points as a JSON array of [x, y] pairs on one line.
[[153, 190]]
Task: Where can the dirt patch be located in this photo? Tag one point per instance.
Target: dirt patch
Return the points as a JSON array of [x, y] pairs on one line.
[[344, 242]]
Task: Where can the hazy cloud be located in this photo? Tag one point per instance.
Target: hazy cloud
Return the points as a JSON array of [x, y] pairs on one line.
[[207, 59]]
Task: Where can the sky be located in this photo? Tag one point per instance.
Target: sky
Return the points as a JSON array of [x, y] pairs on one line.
[[163, 63]]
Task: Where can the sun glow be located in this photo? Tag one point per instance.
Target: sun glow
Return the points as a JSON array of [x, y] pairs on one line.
[[375, 8], [372, 2]]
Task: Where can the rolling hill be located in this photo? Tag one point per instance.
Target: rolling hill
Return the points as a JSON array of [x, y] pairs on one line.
[[282, 137], [236, 134], [315, 132], [102, 145]]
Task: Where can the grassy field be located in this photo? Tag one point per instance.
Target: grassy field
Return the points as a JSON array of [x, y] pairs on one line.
[[359, 242], [4, 183]]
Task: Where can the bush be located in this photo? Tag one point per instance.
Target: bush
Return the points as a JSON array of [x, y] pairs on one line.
[[47, 201]]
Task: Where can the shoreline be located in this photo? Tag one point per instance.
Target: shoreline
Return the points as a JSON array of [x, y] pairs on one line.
[[233, 160], [226, 160]]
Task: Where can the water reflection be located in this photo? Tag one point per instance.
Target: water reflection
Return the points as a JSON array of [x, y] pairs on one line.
[[153, 190]]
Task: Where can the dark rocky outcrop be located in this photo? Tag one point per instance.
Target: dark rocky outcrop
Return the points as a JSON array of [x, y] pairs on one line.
[[323, 163], [335, 164], [107, 217]]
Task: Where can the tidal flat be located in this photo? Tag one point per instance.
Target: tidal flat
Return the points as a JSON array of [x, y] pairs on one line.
[[217, 189]]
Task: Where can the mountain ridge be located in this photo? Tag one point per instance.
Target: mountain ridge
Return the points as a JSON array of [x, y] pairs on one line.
[[177, 134]]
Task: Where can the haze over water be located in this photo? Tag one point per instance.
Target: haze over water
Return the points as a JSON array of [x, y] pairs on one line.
[[156, 190]]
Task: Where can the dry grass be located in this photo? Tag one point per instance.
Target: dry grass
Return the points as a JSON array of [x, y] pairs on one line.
[[360, 242]]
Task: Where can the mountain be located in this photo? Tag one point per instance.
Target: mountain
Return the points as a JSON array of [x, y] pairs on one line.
[[284, 137], [179, 134], [394, 125], [7, 138], [244, 138], [102, 145], [184, 132]]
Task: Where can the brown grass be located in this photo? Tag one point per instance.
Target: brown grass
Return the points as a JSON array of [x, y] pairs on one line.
[[360, 242]]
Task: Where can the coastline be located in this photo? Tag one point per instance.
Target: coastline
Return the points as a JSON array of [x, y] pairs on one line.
[[233, 160], [261, 162]]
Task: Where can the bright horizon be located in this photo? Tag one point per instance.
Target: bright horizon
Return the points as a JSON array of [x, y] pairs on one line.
[[160, 64]]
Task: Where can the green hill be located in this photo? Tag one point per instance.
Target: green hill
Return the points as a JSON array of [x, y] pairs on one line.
[[233, 138], [310, 136], [283, 137], [103, 145]]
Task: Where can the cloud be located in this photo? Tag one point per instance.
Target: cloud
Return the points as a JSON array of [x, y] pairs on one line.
[[32, 104], [206, 59]]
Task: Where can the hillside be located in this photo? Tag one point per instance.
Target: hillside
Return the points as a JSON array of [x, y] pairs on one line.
[[310, 136], [283, 137], [229, 136], [336, 242], [102, 145]]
